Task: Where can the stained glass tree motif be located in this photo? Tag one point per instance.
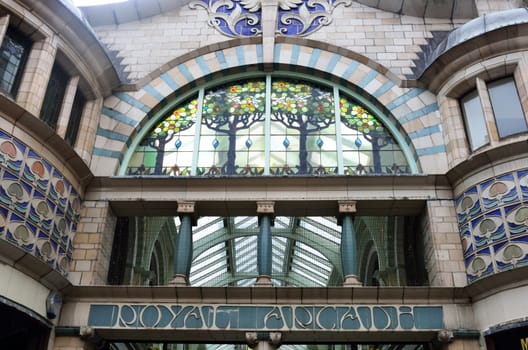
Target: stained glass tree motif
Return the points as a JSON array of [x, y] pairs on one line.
[[231, 109], [179, 120], [301, 132], [370, 128], [304, 108]]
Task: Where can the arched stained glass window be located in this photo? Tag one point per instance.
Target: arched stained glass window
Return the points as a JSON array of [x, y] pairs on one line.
[[268, 126]]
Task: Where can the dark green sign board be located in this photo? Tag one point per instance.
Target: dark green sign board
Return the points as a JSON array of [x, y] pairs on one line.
[[266, 317]]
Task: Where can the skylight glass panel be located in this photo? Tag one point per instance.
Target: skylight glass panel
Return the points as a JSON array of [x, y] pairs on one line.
[[207, 225], [282, 221], [309, 268], [310, 250], [218, 266], [326, 234], [276, 266], [246, 282], [212, 254], [208, 280], [292, 261], [246, 257], [280, 242], [249, 266], [277, 283], [246, 222], [308, 277]]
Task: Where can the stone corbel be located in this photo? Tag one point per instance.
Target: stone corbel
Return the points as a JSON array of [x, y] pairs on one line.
[[188, 208], [253, 339], [92, 340], [266, 208], [344, 208]]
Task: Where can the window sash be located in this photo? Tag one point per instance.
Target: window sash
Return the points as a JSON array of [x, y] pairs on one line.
[[54, 97], [509, 116], [14, 52], [75, 118], [474, 120]]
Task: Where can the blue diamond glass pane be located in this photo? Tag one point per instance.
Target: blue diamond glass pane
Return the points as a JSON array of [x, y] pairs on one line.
[[286, 143], [249, 143], [320, 142], [216, 143], [178, 143], [358, 142]]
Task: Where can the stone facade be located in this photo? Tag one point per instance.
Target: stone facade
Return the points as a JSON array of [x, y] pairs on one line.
[[460, 215]]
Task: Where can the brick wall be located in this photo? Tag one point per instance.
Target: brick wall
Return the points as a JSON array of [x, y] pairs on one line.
[[443, 251], [390, 39], [93, 244]]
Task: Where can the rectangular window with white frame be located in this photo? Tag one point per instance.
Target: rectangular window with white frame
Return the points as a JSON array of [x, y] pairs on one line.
[[507, 110], [505, 118]]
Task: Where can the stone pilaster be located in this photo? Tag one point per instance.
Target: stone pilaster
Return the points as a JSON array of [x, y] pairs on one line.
[[270, 11], [36, 75], [88, 129], [4, 23], [92, 244], [443, 249], [67, 104], [69, 343]]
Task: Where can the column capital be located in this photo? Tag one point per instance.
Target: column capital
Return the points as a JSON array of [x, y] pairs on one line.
[[266, 207], [346, 207], [188, 208]]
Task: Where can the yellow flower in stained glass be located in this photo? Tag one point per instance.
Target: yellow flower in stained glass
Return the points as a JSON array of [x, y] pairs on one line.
[[180, 119]]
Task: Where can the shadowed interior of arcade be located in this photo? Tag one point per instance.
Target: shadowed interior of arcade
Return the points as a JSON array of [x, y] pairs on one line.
[[305, 251]]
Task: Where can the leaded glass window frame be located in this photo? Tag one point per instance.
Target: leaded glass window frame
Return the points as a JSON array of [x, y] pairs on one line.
[[14, 52], [55, 91], [79, 102], [196, 97]]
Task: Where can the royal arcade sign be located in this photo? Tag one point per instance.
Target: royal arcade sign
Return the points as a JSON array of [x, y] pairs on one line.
[[266, 317]]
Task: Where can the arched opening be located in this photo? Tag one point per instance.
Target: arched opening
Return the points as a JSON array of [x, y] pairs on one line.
[[270, 126]]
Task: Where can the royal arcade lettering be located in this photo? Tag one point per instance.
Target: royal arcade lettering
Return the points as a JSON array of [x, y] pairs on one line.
[[266, 317], [524, 343]]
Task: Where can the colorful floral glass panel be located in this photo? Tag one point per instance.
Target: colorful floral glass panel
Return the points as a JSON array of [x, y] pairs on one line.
[[168, 148], [368, 147], [296, 134], [303, 118], [232, 138]]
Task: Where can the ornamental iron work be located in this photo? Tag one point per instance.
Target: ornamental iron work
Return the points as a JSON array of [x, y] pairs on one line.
[[243, 18]]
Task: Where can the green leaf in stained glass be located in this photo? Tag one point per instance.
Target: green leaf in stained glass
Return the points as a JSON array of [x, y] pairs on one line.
[[300, 99], [359, 118], [180, 119], [235, 100]]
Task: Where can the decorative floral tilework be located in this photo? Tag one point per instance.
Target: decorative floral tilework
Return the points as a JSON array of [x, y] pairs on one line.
[[493, 224], [39, 208]]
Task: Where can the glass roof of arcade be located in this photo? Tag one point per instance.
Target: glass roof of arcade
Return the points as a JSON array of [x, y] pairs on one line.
[[305, 251]]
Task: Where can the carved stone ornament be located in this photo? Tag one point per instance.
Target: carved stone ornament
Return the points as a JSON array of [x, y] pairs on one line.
[[273, 338], [265, 207], [243, 18]]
